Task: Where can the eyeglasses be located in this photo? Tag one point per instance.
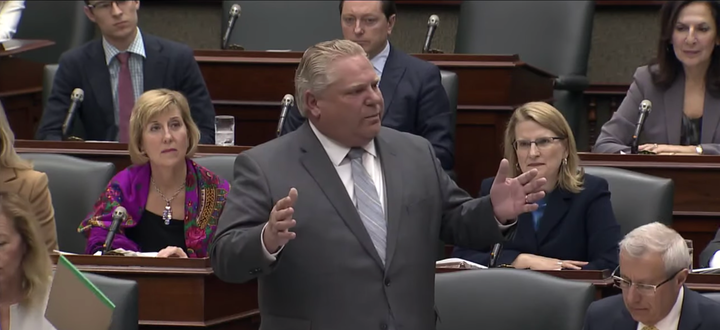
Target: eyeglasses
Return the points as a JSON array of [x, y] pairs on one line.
[[643, 289], [108, 5], [541, 143]]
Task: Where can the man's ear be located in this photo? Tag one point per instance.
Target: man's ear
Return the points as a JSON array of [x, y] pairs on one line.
[[89, 14], [311, 105], [391, 23]]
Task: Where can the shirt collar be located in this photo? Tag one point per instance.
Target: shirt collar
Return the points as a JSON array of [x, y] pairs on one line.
[[136, 47], [379, 60], [671, 320], [335, 150]]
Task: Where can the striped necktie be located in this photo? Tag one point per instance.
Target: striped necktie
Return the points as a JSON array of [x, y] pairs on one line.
[[126, 97], [368, 203]]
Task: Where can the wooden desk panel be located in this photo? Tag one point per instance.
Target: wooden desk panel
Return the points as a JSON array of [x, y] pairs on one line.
[[179, 293]]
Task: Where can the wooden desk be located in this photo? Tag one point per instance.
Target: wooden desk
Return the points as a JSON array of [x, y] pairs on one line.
[[115, 153], [179, 293], [696, 211], [250, 85], [21, 86]]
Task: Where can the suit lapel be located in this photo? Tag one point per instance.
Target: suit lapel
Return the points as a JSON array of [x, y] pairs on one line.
[[391, 75], [7, 175], [711, 118], [674, 99], [689, 314], [155, 64], [625, 321], [557, 207], [318, 164], [99, 76], [393, 193]]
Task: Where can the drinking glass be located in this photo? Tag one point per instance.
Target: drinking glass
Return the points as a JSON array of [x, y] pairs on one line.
[[224, 130]]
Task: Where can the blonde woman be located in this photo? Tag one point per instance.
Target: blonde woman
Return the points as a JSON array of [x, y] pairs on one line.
[[574, 226], [173, 203], [25, 267], [17, 176]]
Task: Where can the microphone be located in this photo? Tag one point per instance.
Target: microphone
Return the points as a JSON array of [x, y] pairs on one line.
[[119, 215], [76, 99], [433, 22], [234, 14], [287, 102], [645, 108], [497, 248]]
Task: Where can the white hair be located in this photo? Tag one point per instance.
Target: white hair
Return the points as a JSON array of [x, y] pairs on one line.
[[658, 238], [313, 74]]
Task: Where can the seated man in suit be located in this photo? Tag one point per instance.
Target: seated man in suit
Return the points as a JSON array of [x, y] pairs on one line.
[[415, 100], [710, 256], [654, 261], [115, 70]]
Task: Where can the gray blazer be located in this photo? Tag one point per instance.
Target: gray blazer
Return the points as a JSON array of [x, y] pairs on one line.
[[330, 276], [663, 125]]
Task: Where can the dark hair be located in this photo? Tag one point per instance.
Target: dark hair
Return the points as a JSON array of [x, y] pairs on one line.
[[668, 65], [387, 6]]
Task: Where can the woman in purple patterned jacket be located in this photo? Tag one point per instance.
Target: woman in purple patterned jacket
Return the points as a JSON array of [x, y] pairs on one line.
[[173, 204]]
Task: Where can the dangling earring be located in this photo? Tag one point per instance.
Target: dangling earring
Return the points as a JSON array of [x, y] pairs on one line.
[[564, 162]]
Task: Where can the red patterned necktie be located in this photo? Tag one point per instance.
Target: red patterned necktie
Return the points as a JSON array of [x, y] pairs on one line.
[[126, 97]]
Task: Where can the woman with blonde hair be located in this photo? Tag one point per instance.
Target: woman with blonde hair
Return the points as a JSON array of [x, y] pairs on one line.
[[173, 204], [17, 176], [25, 267], [574, 226]]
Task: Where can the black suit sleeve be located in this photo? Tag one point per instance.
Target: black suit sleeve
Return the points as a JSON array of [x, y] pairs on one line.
[[66, 79], [709, 251], [192, 85], [434, 119], [466, 222], [293, 120]]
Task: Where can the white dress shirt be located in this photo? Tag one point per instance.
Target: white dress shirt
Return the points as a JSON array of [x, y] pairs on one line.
[[25, 316], [379, 61], [670, 321], [10, 13]]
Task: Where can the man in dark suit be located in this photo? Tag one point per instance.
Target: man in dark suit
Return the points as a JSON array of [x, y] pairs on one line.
[[369, 203], [654, 262], [415, 100], [114, 71], [709, 257]]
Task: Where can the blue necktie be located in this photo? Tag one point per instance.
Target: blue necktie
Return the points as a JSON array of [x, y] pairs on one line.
[[368, 203], [537, 214]]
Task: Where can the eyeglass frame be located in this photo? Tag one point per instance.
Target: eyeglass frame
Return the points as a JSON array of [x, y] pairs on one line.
[[616, 278], [552, 139], [111, 2]]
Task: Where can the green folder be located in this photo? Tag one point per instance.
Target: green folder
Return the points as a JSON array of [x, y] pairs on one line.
[[101, 296]]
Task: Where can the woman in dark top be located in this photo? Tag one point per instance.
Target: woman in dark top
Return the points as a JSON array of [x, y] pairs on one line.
[[173, 204], [682, 83]]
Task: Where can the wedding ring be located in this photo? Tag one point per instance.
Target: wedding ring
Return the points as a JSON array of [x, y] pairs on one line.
[[560, 263], [526, 199]]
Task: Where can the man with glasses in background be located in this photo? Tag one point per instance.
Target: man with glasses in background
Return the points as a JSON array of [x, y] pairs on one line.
[[654, 262], [115, 70]]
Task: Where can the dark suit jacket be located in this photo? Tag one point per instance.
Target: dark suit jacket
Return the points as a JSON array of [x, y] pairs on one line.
[[168, 64], [698, 313], [712, 247], [663, 125], [330, 276], [578, 227], [415, 102]]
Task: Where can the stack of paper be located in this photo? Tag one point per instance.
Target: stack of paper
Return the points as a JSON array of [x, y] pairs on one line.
[[458, 263]]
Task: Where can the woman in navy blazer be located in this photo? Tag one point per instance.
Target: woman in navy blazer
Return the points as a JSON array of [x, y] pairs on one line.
[[574, 227]]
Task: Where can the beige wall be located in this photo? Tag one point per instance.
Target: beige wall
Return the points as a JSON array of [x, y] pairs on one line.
[[623, 38]]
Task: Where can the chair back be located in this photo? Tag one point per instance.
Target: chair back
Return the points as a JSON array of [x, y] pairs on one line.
[[283, 25], [222, 165], [48, 78], [449, 81], [63, 22], [75, 185], [554, 36], [509, 299], [124, 295], [637, 198]]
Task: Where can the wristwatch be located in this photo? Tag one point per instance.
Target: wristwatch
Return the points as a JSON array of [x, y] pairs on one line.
[[699, 150]]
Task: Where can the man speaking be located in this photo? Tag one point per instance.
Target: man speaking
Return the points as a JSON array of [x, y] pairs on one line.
[[339, 219]]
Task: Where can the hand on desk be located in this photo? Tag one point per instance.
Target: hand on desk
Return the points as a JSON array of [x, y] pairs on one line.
[[667, 149], [534, 262], [172, 252]]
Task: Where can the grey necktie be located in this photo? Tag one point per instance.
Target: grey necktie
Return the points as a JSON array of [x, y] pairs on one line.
[[368, 203]]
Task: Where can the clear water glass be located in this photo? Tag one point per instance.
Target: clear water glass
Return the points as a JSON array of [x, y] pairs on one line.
[[224, 130]]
